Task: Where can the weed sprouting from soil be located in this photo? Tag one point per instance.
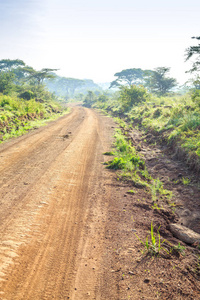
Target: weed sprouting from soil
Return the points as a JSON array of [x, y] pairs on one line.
[[185, 180], [153, 243], [179, 248]]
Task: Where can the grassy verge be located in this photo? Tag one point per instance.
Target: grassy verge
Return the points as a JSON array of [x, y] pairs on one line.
[[17, 116], [127, 160], [131, 167], [174, 120]]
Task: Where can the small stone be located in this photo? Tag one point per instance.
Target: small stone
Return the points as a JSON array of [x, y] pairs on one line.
[[131, 273], [146, 280]]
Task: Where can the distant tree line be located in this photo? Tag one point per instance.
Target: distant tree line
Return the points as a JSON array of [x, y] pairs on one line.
[[71, 87], [18, 78], [24, 81]]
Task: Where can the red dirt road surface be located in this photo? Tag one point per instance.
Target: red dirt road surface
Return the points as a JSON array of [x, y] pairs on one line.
[[53, 202], [69, 228]]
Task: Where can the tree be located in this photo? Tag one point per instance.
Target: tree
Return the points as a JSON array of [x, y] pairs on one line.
[[89, 99], [8, 64], [6, 82], [102, 98], [39, 76], [194, 51], [158, 83], [66, 86], [128, 76]]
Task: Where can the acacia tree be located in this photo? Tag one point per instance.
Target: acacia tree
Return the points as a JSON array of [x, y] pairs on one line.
[[39, 76], [128, 76], [8, 77], [194, 51], [7, 65], [159, 83]]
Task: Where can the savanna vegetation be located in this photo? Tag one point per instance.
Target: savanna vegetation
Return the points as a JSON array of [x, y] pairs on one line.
[[148, 100], [25, 102], [173, 119]]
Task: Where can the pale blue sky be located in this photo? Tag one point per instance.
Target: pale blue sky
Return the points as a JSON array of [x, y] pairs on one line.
[[95, 39]]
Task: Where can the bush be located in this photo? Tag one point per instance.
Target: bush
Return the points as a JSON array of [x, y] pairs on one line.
[[196, 97], [130, 96], [27, 95]]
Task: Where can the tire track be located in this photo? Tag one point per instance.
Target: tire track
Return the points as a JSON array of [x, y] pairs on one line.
[[55, 224]]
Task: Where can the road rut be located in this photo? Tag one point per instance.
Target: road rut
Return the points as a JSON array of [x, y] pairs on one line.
[[54, 191]]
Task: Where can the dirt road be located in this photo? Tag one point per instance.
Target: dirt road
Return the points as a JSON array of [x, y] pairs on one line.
[[69, 228], [53, 203]]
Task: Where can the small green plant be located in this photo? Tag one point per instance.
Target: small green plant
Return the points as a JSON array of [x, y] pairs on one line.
[[109, 153], [185, 180], [179, 248], [154, 245], [155, 206], [158, 191], [131, 192]]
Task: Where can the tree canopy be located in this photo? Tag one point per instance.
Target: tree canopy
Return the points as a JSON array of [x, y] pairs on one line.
[[155, 81], [194, 51], [8, 64], [39, 76], [128, 76], [158, 82]]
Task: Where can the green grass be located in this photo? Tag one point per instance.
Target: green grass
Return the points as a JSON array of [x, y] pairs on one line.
[[131, 167], [127, 160], [179, 248], [17, 116], [176, 119]]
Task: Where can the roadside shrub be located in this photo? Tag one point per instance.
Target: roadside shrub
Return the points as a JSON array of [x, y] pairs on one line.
[[130, 96], [196, 97], [27, 95]]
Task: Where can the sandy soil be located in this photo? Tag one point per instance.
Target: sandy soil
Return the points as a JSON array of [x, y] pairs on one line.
[[68, 225]]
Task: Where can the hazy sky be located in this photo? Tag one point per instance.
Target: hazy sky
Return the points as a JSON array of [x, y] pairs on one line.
[[97, 38]]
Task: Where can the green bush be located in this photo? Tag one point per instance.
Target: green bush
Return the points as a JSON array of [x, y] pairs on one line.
[[27, 95], [130, 96], [196, 97]]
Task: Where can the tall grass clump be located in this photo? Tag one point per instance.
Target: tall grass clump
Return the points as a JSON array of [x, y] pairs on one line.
[[127, 160]]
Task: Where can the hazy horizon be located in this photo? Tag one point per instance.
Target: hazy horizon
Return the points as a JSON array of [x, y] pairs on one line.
[[94, 40]]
